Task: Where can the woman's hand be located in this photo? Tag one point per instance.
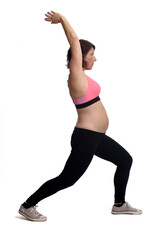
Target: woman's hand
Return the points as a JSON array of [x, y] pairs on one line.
[[53, 17]]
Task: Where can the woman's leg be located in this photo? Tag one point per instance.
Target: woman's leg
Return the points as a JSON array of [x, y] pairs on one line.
[[110, 150], [84, 143]]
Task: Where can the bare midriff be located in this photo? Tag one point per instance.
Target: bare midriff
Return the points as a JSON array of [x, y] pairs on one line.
[[93, 117]]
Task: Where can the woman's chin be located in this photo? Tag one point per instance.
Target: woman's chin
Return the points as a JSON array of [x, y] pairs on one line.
[[89, 68]]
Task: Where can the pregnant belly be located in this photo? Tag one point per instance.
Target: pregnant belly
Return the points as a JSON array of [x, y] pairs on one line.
[[93, 117]]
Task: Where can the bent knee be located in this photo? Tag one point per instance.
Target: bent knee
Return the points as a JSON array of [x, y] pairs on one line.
[[126, 161], [130, 160]]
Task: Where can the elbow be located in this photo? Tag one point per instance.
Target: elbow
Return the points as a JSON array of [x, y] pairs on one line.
[[74, 40]]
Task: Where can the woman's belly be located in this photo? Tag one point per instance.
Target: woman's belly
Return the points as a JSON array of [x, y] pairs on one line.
[[93, 117]]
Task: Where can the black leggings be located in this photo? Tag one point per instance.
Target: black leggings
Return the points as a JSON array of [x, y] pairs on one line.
[[85, 144]]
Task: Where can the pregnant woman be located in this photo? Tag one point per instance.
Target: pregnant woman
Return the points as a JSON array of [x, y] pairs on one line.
[[88, 138]]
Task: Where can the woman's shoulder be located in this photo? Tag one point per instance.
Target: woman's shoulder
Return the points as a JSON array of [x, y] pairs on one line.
[[77, 85]]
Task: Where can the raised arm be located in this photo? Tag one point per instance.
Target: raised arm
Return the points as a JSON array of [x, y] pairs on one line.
[[76, 60]]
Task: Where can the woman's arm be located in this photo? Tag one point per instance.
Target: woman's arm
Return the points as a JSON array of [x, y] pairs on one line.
[[76, 60]]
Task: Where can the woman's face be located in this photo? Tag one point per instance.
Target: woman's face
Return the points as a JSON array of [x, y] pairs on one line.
[[89, 59]]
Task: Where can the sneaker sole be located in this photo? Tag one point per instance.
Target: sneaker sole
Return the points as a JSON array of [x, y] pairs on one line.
[[131, 213], [31, 219]]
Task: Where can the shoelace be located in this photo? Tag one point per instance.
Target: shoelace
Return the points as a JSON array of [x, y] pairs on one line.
[[128, 205], [34, 211]]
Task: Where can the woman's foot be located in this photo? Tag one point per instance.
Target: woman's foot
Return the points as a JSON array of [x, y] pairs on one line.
[[32, 214], [126, 209]]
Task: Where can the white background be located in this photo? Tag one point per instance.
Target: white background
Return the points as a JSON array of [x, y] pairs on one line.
[[37, 116]]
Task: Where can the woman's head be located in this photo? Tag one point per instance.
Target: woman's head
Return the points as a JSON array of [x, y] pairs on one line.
[[87, 54]]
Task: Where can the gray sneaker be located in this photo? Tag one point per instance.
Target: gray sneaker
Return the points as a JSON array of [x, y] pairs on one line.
[[32, 214], [126, 209]]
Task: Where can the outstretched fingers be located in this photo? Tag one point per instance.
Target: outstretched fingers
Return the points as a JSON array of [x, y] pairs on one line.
[[49, 17], [50, 14], [53, 17]]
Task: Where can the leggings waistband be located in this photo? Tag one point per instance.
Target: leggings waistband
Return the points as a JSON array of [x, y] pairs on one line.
[[77, 129]]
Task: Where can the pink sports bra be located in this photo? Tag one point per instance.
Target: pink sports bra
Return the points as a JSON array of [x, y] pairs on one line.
[[90, 97]]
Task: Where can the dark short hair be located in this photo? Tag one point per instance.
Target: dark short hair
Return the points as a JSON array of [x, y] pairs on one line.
[[85, 47]]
